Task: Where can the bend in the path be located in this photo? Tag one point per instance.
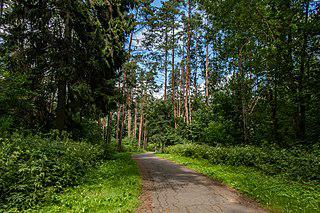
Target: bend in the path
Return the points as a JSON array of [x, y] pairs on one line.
[[168, 187]]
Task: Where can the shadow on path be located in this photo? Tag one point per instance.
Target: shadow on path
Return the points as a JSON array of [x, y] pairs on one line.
[[168, 187]]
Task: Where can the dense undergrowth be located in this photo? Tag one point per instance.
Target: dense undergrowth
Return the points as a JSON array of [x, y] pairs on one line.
[[34, 168], [272, 191], [114, 186], [293, 164], [283, 180]]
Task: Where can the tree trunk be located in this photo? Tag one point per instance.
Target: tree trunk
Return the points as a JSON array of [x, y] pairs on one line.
[[141, 120], [129, 92], [140, 129], [190, 109], [173, 80], [135, 122], [109, 128], [122, 128], [195, 74], [166, 67], [145, 136], [129, 123], [182, 86], [180, 94], [188, 64], [118, 125], [61, 105], [207, 73]]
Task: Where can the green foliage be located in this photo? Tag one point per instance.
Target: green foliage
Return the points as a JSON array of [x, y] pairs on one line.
[[294, 164], [32, 168], [217, 133], [89, 130], [130, 145], [173, 137], [59, 60], [113, 187], [266, 59], [274, 192]]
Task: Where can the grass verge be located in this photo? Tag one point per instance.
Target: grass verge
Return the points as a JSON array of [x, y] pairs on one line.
[[112, 187], [273, 192]]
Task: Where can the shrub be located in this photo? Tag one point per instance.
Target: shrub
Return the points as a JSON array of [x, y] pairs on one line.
[[130, 145], [32, 168], [293, 164], [217, 132]]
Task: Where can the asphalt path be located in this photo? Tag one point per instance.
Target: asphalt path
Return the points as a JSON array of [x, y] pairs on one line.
[[168, 187]]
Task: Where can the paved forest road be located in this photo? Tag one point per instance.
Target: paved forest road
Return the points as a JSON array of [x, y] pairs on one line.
[[168, 187]]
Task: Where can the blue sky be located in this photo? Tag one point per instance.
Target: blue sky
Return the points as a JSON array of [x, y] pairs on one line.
[[157, 2]]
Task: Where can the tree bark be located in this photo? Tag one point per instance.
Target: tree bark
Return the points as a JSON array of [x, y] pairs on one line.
[[122, 128], [190, 109], [180, 95], [195, 74], [182, 86], [173, 79], [166, 66], [207, 73], [118, 124], [109, 128], [129, 123], [140, 130], [141, 120], [135, 121], [145, 136], [61, 105], [129, 92], [188, 65]]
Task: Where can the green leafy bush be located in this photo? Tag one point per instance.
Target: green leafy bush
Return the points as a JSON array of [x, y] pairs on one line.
[[293, 164], [217, 132], [130, 145], [32, 168]]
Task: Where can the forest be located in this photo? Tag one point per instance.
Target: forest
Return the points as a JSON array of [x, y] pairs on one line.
[[227, 88]]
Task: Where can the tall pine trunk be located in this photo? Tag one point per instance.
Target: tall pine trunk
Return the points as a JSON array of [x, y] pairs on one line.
[[145, 136], [173, 79], [195, 74], [166, 66], [180, 95], [129, 93], [207, 72], [118, 124], [124, 92], [109, 128], [188, 65], [141, 120], [122, 128], [61, 105], [134, 133], [140, 129], [129, 123]]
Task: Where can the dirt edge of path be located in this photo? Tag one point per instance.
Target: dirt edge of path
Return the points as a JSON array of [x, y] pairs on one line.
[[145, 197]]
